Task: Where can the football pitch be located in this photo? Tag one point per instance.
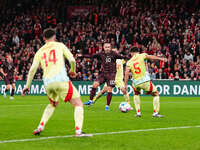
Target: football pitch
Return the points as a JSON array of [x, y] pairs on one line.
[[113, 130]]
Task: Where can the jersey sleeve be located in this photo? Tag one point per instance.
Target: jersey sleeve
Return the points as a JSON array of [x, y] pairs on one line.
[[144, 55], [128, 64], [119, 56], [33, 69], [123, 61], [70, 58]]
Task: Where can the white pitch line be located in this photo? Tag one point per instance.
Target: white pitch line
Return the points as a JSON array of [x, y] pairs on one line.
[[19, 105], [105, 133], [166, 102]]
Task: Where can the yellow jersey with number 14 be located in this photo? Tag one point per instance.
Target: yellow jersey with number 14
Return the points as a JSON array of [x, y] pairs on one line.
[[137, 65], [51, 59]]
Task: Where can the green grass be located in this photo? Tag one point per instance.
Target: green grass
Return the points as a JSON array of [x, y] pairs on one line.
[[18, 118]]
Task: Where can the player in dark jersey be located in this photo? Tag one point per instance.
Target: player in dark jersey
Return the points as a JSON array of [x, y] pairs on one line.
[[7, 71], [108, 63]]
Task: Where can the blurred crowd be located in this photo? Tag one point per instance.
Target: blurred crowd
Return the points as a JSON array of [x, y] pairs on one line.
[[169, 28]]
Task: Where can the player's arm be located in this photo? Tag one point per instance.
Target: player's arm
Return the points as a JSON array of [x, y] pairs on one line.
[[119, 56], [96, 55], [1, 70], [127, 71], [15, 71], [70, 58], [31, 73], [153, 57]]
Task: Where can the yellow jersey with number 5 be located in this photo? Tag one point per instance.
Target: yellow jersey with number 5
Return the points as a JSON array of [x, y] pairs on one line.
[[137, 65], [51, 59]]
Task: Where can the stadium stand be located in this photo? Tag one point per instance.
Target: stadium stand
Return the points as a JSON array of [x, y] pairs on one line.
[[169, 27]]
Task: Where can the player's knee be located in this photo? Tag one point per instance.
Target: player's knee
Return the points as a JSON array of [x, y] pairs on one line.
[[104, 90], [95, 85], [109, 89], [76, 102], [155, 93], [54, 104], [123, 91]]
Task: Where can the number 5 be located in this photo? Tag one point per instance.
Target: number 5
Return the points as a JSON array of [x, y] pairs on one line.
[[137, 69]]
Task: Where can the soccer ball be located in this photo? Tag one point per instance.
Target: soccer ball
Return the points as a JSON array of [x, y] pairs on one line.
[[124, 107]]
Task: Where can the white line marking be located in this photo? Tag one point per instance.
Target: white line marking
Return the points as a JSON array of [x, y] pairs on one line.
[[19, 105], [105, 133], [165, 102]]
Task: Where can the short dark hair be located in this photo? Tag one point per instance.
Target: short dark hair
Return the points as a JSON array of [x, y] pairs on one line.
[[106, 43], [134, 49], [49, 33]]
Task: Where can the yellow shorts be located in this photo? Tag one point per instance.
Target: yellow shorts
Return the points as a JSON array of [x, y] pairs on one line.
[[63, 90], [119, 83], [148, 87]]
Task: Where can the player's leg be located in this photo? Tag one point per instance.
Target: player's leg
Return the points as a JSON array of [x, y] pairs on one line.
[[48, 112], [120, 85], [72, 95], [151, 89], [12, 91], [92, 93], [100, 93], [156, 105], [95, 85], [78, 116], [110, 80], [7, 83], [109, 97], [98, 82], [5, 93], [136, 100]]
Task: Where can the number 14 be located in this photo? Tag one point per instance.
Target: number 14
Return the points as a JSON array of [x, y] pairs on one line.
[[52, 57]]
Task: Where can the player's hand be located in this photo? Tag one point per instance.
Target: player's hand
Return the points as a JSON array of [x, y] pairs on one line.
[[164, 59], [72, 74], [25, 91], [5, 74]]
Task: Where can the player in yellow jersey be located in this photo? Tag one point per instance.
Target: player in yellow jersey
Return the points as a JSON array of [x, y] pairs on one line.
[[57, 84], [141, 79]]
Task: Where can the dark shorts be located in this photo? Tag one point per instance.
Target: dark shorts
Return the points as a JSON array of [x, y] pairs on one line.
[[108, 78], [9, 80]]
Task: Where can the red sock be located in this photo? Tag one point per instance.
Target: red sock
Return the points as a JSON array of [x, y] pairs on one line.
[[92, 93], [109, 97]]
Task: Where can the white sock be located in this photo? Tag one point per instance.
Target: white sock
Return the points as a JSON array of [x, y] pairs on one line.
[[137, 103], [78, 117], [46, 115], [156, 104]]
